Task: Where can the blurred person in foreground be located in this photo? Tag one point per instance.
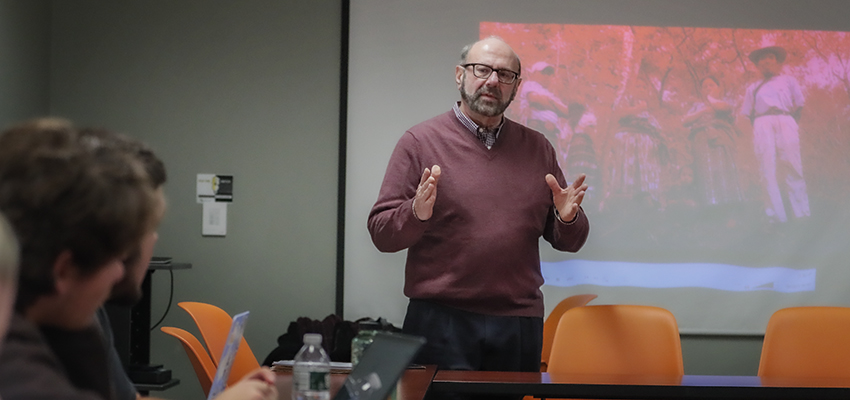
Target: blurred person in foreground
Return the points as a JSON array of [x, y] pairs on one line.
[[128, 291], [9, 254], [79, 209]]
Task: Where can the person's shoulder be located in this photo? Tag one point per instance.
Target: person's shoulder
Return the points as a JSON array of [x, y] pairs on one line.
[[22, 330], [435, 123], [525, 132], [30, 370], [438, 119], [512, 125], [24, 344]]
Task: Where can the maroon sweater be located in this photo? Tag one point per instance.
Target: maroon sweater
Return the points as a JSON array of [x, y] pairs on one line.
[[479, 250]]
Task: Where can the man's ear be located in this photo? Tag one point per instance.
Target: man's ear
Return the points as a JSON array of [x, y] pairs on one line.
[[65, 272], [459, 76]]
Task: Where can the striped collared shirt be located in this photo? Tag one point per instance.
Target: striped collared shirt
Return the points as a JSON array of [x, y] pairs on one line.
[[473, 127]]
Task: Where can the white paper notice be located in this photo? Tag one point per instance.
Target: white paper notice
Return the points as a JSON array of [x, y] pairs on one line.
[[215, 219], [205, 192]]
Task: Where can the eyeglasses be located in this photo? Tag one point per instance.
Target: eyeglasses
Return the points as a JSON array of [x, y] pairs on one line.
[[483, 71]]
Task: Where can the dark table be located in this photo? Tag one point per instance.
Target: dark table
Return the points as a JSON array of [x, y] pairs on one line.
[[412, 386], [638, 387], [145, 388]]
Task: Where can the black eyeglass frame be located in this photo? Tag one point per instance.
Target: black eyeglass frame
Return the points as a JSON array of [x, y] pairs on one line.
[[497, 71]]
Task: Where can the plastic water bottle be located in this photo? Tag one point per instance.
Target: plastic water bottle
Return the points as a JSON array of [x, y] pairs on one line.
[[368, 330], [311, 371], [364, 338]]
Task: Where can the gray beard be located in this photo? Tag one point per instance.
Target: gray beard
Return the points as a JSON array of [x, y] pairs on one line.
[[481, 107]]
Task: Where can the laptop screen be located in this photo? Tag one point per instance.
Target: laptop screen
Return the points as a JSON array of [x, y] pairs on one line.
[[237, 328], [380, 367]]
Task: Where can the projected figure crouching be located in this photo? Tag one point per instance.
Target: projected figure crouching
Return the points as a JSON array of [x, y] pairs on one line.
[[580, 154], [542, 110], [634, 172], [713, 135]]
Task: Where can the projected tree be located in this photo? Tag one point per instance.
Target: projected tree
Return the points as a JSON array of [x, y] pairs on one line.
[[609, 73]]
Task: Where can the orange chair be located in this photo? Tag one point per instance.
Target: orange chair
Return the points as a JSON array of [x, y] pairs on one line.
[[617, 339], [201, 361], [551, 323], [807, 342], [214, 324]]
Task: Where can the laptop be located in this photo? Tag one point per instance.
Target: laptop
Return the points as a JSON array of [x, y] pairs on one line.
[[225, 363], [380, 367], [374, 377]]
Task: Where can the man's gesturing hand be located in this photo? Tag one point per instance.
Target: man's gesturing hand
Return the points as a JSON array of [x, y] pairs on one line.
[[426, 193], [567, 199]]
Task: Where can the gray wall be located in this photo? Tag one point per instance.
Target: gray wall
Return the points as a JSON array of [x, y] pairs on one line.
[[721, 355], [247, 88], [24, 62]]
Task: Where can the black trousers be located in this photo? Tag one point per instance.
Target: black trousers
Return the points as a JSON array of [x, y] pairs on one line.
[[462, 340]]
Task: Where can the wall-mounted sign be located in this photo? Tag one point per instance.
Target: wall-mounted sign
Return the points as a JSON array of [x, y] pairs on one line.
[[214, 188]]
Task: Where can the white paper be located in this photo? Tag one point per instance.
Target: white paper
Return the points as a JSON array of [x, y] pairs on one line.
[[204, 190], [214, 219]]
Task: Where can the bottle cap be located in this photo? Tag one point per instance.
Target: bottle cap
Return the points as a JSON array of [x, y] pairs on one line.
[[313, 338], [368, 325]]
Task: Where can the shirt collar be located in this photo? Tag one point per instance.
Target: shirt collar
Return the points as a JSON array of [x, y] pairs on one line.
[[470, 124]]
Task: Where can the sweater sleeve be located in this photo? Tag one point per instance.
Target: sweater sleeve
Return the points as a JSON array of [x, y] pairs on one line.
[[567, 236], [391, 223]]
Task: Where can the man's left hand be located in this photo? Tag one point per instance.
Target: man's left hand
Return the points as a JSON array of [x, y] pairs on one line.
[[567, 200]]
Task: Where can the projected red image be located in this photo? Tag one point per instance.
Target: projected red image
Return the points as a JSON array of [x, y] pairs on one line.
[[704, 135]]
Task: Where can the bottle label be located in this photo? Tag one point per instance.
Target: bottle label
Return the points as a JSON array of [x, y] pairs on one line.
[[311, 381], [319, 381]]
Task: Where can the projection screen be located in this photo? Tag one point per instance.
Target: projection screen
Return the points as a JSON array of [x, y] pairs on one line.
[[712, 193]]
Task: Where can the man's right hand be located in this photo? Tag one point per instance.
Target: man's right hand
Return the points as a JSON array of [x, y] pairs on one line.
[[426, 193], [256, 385]]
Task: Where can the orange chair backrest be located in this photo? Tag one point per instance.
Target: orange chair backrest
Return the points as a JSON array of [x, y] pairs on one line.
[[201, 361], [551, 323], [617, 339], [807, 342], [214, 324]]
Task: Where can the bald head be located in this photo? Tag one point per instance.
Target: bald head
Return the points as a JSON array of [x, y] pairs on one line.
[[492, 45], [493, 82]]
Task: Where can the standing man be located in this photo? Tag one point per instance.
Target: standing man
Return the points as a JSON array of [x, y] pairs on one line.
[[773, 106], [469, 193]]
